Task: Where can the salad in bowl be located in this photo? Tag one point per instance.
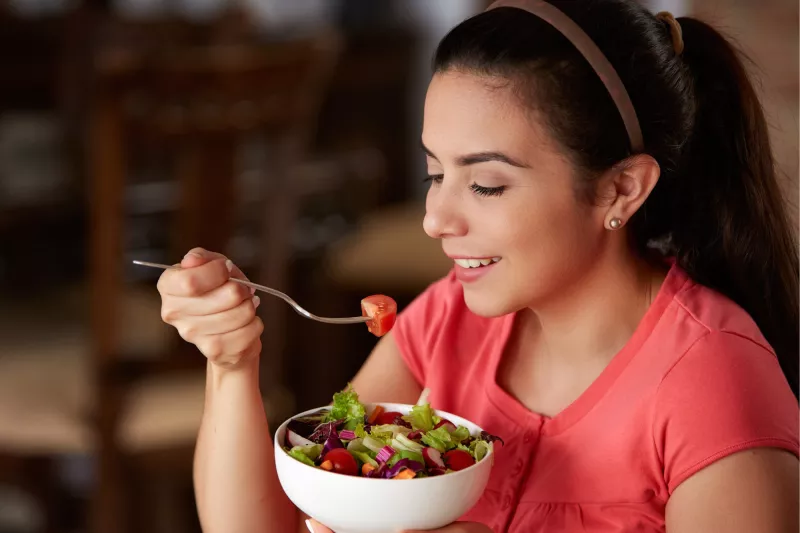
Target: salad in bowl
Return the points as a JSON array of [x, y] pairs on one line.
[[352, 439], [380, 468]]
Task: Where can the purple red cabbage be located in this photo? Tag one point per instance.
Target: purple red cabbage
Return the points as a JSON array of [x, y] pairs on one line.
[[398, 421], [324, 430], [331, 443], [378, 472], [488, 437], [402, 464], [304, 426]]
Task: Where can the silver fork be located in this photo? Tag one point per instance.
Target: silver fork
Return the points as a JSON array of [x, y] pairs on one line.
[[279, 294]]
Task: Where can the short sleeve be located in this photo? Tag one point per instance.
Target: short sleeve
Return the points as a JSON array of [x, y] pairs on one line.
[[725, 395], [418, 328]]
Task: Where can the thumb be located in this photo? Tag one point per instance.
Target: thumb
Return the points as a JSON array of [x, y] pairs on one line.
[[315, 527], [199, 256]]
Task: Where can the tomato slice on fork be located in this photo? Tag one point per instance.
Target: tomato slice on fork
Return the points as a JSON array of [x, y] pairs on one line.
[[382, 311]]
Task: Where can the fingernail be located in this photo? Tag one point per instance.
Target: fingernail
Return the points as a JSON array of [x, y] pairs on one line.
[[229, 265], [252, 290], [256, 302], [192, 254], [308, 525]]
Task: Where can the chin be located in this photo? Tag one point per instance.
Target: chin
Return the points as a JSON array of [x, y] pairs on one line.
[[489, 304]]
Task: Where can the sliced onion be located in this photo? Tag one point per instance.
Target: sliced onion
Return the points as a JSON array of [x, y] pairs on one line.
[[346, 434], [373, 444], [409, 444], [385, 454], [296, 440]]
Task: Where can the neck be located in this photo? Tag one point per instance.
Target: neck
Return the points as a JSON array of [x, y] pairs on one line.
[[595, 315]]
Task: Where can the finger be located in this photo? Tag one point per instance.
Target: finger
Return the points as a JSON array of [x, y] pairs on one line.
[[315, 527], [234, 344], [225, 298], [218, 323], [195, 281], [199, 256]]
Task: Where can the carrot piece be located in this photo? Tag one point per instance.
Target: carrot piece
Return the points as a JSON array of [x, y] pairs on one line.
[[326, 465], [406, 474], [375, 414], [366, 468]]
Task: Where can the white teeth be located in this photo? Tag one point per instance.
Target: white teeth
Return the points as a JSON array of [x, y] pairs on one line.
[[475, 263]]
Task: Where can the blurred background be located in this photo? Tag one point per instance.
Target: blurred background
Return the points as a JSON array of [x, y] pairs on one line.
[[283, 133]]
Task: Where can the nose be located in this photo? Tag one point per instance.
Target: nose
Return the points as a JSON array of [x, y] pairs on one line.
[[443, 216]]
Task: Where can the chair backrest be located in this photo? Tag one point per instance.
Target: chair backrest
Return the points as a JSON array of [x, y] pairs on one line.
[[199, 102]]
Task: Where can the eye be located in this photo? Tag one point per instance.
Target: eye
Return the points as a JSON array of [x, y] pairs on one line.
[[487, 191], [435, 178]]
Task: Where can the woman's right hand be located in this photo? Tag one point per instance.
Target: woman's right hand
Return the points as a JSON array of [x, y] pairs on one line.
[[210, 311]]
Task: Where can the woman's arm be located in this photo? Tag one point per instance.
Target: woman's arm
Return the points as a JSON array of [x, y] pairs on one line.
[[754, 490], [234, 444]]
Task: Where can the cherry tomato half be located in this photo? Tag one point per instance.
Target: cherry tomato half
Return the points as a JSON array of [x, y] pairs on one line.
[[382, 310], [458, 460], [387, 418], [343, 462]]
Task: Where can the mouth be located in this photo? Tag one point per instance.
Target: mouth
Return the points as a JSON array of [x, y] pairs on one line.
[[476, 262]]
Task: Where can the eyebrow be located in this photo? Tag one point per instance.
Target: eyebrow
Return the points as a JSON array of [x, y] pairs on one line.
[[480, 157]]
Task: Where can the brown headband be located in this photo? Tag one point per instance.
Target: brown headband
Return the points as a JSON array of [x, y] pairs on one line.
[[597, 60]]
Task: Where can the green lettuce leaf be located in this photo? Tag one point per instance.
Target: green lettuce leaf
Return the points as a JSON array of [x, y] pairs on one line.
[[420, 417], [306, 454], [347, 407], [440, 439], [461, 433]]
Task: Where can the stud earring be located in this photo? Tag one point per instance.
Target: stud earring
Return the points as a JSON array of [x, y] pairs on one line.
[[615, 223]]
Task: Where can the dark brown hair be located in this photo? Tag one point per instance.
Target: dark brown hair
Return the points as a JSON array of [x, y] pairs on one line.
[[718, 203]]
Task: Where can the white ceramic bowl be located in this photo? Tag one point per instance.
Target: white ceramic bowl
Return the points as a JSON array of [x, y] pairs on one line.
[[350, 504]]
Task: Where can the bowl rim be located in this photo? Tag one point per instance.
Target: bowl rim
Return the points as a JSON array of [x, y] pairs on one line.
[[429, 479]]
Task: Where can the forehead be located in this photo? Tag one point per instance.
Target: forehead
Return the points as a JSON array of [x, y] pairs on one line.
[[467, 112]]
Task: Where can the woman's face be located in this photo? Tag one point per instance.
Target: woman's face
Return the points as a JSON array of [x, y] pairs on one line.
[[503, 197]]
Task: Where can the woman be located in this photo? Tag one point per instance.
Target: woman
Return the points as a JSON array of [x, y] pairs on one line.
[[623, 305]]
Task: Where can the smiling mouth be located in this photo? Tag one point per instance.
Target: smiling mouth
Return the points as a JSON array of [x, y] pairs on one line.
[[476, 263]]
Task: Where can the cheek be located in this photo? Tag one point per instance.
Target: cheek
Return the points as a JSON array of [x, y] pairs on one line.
[[550, 245]]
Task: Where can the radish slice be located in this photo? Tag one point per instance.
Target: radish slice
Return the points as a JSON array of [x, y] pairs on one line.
[[449, 426], [434, 471], [433, 458], [296, 440]]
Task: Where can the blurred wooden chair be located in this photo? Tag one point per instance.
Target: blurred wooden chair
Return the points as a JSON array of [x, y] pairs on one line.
[[99, 390], [389, 251]]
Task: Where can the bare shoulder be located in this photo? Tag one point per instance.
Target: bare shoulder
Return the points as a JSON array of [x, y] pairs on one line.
[[385, 377]]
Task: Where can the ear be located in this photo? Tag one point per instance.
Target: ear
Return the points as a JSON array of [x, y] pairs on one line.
[[626, 187]]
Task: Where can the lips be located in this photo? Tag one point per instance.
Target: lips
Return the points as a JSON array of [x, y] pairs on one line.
[[471, 269]]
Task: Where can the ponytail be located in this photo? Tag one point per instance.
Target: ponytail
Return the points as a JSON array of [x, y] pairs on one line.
[[731, 230]]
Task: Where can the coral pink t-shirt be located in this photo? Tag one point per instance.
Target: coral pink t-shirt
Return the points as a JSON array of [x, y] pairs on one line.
[[695, 383]]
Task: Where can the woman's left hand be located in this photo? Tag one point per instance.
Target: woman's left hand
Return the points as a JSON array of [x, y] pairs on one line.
[[455, 527]]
